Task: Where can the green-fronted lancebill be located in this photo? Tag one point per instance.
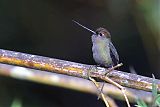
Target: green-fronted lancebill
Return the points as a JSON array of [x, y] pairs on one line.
[[104, 52]]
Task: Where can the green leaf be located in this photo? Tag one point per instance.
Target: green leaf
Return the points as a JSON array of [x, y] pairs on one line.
[[157, 100], [141, 103], [154, 86]]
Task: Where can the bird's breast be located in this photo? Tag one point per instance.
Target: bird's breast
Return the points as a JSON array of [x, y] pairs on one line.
[[101, 52]]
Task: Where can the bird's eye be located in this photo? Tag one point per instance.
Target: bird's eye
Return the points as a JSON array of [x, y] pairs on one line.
[[101, 34]]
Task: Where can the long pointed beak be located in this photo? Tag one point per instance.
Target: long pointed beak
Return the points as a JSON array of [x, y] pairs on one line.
[[84, 27]]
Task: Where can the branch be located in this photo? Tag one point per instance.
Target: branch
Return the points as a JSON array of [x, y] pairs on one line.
[[70, 82], [76, 69]]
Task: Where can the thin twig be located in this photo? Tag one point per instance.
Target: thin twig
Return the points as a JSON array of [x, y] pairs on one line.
[[126, 98], [113, 68], [122, 89], [119, 86], [102, 95], [108, 71]]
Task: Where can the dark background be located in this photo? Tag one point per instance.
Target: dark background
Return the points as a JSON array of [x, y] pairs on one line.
[[45, 27]]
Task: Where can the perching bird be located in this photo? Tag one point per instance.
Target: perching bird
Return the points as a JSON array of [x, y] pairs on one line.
[[104, 52]]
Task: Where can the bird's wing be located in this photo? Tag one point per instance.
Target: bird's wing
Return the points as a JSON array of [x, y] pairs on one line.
[[113, 53]]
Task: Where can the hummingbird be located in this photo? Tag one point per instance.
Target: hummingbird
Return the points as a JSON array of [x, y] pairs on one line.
[[104, 52]]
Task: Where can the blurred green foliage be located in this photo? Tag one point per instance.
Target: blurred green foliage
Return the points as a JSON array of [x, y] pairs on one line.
[[155, 98], [16, 103]]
